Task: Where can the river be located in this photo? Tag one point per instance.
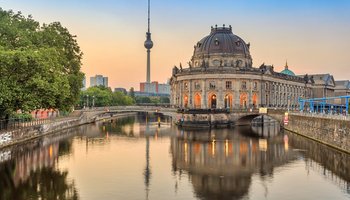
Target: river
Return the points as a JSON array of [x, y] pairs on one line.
[[135, 158]]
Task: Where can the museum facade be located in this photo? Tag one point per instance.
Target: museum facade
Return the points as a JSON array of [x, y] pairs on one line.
[[221, 75]]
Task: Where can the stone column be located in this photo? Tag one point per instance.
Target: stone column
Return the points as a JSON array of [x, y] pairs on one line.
[[250, 87], [204, 96], [236, 94], [180, 96], [220, 96], [190, 96]]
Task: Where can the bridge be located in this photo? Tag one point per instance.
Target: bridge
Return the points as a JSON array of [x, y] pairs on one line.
[[206, 117], [331, 105], [190, 117]]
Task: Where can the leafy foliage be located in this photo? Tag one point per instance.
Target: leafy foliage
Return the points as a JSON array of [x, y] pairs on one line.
[[39, 65], [99, 96]]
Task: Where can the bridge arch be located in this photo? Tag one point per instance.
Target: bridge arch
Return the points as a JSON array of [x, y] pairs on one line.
[[248, 118]]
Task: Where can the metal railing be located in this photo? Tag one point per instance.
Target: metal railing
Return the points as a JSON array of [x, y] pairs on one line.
[[20, 123]]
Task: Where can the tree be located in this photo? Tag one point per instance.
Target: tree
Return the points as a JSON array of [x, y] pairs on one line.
[[164, 100], [142, 100], [103, 96], [40, 65], [132, 92]]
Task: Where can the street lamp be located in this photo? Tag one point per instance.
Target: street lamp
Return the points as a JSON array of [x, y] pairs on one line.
[[288, 102], [87, 101]]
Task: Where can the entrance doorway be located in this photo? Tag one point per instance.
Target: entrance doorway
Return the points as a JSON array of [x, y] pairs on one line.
[[228, 101], [197, 101], [243, 100], [212, 101]]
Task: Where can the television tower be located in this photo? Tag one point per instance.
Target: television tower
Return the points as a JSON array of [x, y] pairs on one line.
[[148, 45]]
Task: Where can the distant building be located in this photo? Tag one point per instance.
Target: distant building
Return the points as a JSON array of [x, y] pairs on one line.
[[156, 88], [164, 88], [98, 80], [342, 88], [84, 84], [123, 90], [323, 86], [147, 94]]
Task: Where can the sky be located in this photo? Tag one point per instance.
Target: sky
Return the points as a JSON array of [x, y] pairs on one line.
[[314, 36]]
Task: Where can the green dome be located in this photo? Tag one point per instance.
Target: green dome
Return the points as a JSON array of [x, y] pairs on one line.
[[287, 71]]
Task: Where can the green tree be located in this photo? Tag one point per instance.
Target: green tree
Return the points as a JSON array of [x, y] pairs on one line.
[[39, 65], [132, 92], [142, 100], [164, 100], [103, 96]]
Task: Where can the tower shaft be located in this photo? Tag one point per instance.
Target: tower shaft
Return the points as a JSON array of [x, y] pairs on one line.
[[148, 78], [148, 45]]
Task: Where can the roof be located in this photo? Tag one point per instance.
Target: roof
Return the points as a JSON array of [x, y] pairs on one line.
[[323, 79], [287, 71], [343, 84], [221, 40]]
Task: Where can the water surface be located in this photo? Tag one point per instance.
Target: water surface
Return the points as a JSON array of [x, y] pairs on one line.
[[134, 158]]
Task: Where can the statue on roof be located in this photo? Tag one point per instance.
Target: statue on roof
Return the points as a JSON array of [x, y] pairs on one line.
[[306, 78]]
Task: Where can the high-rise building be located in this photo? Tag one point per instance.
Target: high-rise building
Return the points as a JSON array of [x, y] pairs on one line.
[[98, 80], [155, 88]]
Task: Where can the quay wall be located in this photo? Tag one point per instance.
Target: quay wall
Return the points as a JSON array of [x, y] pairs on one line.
[[332, 132], [17, 136]]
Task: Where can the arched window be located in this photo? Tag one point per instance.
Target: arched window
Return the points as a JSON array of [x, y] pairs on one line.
[[255, 100], [243, 100], [197, 101], [185, 101]]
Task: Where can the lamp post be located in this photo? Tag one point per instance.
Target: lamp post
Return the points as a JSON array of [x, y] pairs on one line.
[[288, 102], [87, 101]]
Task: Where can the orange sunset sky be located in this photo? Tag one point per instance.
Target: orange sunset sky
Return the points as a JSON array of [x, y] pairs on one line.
[[314, 36]]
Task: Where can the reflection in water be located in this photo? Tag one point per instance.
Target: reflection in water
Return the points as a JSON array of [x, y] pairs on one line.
[[217, 164], [329, 163], [265, 126], [32, 174], [221, 163]]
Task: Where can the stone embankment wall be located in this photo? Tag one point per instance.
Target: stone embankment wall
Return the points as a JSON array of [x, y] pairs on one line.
[[20, 135], [332, 132]]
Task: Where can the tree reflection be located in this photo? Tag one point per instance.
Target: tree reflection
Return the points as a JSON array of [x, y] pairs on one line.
[[46, 183], [117, 126], [31, 174]]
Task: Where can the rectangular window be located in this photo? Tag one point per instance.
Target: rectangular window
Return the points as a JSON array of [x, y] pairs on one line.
[[197, 86], [186, 86], [228, 84], [212, 85], [244, 85], [255, 86]]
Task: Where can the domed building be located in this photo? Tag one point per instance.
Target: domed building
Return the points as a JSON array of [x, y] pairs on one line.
[[287, 71], [221, 75]]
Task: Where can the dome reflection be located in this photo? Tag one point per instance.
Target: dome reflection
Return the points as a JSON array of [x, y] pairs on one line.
[[220, 163]]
